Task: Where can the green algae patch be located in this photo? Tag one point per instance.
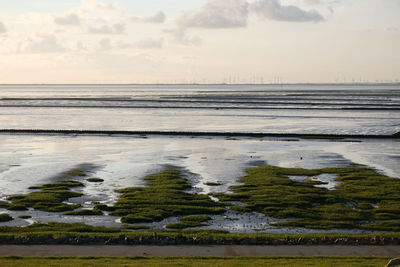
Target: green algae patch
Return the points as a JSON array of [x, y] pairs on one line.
[[135, 227], [75, 172], [50, 198], [85, 212], [213, 183], [95, 180], [4, 217], [163, 197], [364, 199], [57, 227], [25, 216], [190, 222]]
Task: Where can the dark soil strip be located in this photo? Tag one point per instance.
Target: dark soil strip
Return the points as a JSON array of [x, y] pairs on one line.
[[309, 106], [178, 133], [63, 250]]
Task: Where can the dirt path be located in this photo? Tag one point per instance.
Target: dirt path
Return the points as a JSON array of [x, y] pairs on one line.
[[67, 250]]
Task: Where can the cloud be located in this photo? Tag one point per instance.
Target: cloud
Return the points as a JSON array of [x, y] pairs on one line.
[[222, 14], [150, 43], [216, 14], [105, 44], [312, 2], [272, 9], [158, 17], [41, 43], [2, 28], [117, 28], [178, 35], [90, 4], [392, 29], [68, 20]]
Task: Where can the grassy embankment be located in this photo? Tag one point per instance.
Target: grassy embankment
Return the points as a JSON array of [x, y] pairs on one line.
[[364, 199], [192, 261]]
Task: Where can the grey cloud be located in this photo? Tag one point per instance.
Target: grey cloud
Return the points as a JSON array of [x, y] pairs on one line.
[[273, 9], [105, 44], [150, 43], [2, 28], [312, 2], [158, 17], [178, 35], [41, 43], [117, 28], [392, 29], [216, 14], [68, 20]]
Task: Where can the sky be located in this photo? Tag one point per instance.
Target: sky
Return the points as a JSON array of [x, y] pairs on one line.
[[199, 41]]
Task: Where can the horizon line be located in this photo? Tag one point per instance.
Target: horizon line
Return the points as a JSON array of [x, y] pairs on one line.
[[279, 84]]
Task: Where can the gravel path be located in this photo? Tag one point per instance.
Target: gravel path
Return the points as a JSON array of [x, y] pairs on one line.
[[69, 250]]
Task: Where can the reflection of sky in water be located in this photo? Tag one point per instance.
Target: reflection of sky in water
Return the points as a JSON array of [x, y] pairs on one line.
[[123, 162]]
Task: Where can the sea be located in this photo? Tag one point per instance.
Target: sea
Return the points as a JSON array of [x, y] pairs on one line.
[[294, 108]]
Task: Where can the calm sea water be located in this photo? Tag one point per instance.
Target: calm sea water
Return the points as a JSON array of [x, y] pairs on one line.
[[336, 109]]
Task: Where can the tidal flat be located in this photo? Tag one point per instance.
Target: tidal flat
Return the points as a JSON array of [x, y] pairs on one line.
[[208, 175]]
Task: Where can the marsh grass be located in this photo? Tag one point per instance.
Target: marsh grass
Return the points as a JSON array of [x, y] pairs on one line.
[[25, 216], [85, 212], [95, 180], [56, 227], [190, 222], [269, 190], [135, 227], [50, 197], [163, 197], [212, 183], [75, 172], [4, 217]]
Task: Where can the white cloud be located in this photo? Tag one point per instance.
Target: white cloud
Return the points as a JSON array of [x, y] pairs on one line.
[[118, 28], [216, 14], [312, 2], [105, 44], [274, 10], [178, 35], [90, 4], [2, 28], [68, 20], [41, 43], [222, 14], [150, 43], [158, 17]]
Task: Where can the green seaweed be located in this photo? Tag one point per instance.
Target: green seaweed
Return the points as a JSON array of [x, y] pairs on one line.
[[95, 180], [190, 222], [362, 196], [86, 212], [163, 197], [4, 217], [50, 197]]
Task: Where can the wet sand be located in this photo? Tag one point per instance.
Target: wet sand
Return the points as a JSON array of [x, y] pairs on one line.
[[65, 250]]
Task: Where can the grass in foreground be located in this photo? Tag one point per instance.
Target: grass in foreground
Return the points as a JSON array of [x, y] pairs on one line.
[[12, 261], [364, 199], [190, 221]]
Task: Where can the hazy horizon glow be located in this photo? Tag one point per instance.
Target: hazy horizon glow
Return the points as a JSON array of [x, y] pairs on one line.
[[199, 41]]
